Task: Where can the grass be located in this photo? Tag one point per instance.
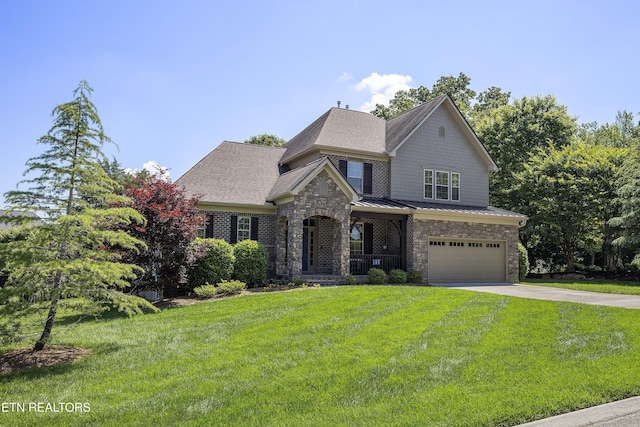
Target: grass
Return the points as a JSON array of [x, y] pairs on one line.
[[344, 356], [592, 285]]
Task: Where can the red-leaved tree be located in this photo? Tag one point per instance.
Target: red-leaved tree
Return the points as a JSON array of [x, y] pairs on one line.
[[172, 219]]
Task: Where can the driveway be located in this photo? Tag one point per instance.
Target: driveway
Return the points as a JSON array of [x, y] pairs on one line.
[[550, 294]]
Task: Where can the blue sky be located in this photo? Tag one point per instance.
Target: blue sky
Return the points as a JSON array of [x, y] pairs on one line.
[[172, 79]]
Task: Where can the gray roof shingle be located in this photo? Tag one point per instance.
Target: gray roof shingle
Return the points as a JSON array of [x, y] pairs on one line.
[[289, 180], [234, 173], [341, 129]]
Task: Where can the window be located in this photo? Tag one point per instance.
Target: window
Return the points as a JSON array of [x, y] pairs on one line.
[[455, 186], [456, 244], [493, 245], [436, 243], [475, 245], [356, 238], [354, 175], [442, 185], [244, 228], [428, 184], [201, 226]]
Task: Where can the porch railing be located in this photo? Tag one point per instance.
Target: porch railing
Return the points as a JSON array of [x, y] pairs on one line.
[[360, 264]]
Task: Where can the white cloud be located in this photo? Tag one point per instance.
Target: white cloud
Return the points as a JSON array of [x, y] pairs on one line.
[[344, 77], [153, 168], [382, 88]]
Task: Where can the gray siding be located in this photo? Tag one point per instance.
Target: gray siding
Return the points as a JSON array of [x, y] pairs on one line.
[[426, 149]]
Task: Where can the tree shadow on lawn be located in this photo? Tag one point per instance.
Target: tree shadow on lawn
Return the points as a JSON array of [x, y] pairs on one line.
[[52, 360]]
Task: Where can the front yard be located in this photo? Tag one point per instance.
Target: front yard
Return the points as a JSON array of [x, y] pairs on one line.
[[361, 355]]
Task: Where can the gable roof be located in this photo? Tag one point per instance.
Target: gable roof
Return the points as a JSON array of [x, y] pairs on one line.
[[400, 128], [290, 183], [234, 173], [339, 128]]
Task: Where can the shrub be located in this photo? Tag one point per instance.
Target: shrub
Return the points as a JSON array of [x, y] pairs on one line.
[[415, 276], [205, 291], [225, 287], [214, 262], [397, 276], [230, 287], [251, 262], [376, 276], [350, 280], [523, 261]]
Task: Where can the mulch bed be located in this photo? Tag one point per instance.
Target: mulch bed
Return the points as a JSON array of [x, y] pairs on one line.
[[24, 358]]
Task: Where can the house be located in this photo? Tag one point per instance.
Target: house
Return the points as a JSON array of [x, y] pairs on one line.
[[353, 191]]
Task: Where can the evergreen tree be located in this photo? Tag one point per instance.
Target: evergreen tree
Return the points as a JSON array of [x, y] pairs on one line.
[[72, 252]]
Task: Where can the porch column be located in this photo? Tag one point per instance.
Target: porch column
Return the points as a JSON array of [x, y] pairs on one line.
[[294, 232]]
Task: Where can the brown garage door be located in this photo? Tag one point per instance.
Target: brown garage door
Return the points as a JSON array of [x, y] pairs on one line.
[[466, 261]]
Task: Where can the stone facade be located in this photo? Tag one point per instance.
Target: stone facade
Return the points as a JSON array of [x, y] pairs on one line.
[[422, 230], [332, 209]]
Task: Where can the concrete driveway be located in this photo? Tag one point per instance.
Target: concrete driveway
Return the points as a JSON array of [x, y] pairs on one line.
[[550, 294]]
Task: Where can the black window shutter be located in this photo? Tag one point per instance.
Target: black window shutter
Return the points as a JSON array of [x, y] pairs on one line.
[[254, 228], [342, 166], [368, 238], [367, 187], [208, 232], [233, 237]]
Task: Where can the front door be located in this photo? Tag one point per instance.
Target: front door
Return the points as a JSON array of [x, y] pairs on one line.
[[309, 239]]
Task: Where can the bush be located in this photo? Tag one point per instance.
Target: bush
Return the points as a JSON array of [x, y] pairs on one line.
[[225, 287], [214, 262], [376, 276], [523, 262], [397, 276], [415, 276], [230, 287], [350, 280], [205, 291], [251, 262]]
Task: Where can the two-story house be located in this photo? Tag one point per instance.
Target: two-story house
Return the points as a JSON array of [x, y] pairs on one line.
[[353, 191]]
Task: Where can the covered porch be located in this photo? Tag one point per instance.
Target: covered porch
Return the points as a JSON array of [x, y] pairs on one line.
[[377, 240]]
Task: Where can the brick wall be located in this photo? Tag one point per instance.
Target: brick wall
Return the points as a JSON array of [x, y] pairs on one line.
[[380, 171], [266, 230]]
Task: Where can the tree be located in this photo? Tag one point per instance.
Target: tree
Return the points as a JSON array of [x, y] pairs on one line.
[[628, 199], [69, 253], [404, 100], [570, 195], [171, 225], [512, 133], [266, 139]]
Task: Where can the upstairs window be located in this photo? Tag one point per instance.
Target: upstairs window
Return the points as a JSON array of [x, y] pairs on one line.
[[441, 185], [455, 187], [354, 175], [428, 184]]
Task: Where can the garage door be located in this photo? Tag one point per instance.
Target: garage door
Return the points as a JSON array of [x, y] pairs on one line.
[[452, 260]]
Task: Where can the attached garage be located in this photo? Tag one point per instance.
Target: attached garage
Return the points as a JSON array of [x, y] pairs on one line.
[[466, 260]]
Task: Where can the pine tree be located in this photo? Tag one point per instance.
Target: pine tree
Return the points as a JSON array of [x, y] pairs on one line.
[[72, 251]]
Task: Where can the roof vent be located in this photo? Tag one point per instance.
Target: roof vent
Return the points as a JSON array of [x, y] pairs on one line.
[[338, 104], [347, 106]]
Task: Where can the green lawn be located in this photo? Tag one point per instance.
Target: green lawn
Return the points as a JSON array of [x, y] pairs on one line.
[[592, 285], [344, 356]]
